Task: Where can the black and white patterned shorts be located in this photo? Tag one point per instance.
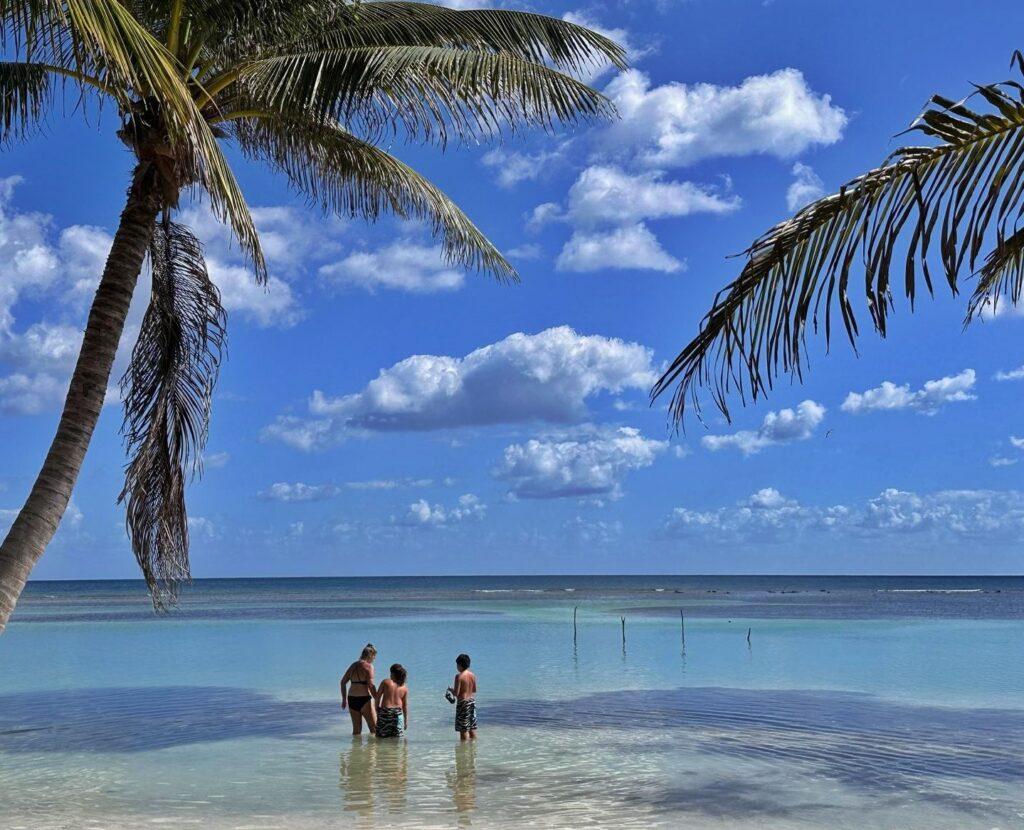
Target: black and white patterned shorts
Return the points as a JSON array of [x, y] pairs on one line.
[[390, 722], [465, 716]]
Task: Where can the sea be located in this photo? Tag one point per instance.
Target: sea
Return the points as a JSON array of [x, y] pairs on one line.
[[894, 703]]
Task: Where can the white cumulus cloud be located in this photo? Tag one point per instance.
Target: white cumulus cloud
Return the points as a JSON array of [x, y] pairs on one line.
[[777, 428], [605, 194], [807, 186], [389, 483], [297, 491], [633, 246], [962, 512], [43, 347], [42, 264], [273, 305], [927, 400], [678, 124], [401, 266], [216, 460], [608, 207], [512, 167], [199, 527], [422, 513], [893, 514], [524, 378], [766, 515], [30, 394], [1012, 374], [592, 465], [291, 240]]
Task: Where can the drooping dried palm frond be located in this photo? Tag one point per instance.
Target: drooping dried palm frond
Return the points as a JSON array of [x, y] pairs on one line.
[[949, 200], [167, 392]]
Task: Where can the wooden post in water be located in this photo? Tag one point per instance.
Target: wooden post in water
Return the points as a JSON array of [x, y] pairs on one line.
[[623, 619], [682, 629], [575, 608], [748, 638]]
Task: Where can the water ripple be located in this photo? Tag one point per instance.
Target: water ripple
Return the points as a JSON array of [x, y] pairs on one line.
[[858, 739]]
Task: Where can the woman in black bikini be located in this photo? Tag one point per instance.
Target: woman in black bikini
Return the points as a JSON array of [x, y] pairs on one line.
[[360, 701]]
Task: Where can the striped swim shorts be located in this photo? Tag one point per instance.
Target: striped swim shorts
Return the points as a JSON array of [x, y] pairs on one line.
[[390, 722], [465, 716]]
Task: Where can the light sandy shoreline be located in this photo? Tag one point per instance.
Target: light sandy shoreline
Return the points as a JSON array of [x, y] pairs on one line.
[[348, 820]]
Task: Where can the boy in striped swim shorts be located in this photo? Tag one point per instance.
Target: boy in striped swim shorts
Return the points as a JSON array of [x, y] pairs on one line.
[[393, 704], [464, 692]]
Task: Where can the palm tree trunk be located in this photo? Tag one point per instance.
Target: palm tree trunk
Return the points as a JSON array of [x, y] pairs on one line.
[[39, 518]]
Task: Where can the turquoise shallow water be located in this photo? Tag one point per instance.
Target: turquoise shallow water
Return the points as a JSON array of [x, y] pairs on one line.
[[857, 703]]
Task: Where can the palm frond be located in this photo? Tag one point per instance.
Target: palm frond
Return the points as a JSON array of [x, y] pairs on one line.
[[425, 91], [101, 39], [532, 37], [25, 92], [1002, 276], [225, 27], [949, 198], [348, 176], [167, 392]]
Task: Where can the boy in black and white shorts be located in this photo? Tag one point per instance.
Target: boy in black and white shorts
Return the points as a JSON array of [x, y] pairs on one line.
[[464, 690]]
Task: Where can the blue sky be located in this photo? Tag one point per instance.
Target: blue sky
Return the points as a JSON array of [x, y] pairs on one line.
[[381, 412]]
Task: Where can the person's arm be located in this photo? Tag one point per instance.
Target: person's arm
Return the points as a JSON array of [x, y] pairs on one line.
[[379, 693], [457, 686], [344, 687], [405, 706]]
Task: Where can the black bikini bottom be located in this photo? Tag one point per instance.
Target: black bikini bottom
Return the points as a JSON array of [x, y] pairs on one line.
[[357, 704]]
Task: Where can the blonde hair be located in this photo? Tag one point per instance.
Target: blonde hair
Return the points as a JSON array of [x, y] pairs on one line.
[[369, 652]]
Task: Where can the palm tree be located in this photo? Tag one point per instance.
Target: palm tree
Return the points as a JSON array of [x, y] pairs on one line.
[[960, 196], [308, 87]]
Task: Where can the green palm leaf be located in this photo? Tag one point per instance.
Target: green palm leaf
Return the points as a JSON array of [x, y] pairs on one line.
[[348, 176], [533, 37], [102, 40], [427, 91], [949, 199], [25, 93]]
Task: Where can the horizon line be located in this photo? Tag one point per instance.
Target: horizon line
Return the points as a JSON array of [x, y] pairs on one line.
[[568, 576]]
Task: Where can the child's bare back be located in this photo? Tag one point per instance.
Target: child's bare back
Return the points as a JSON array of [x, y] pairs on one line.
[[392, 695], [465, 685]]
